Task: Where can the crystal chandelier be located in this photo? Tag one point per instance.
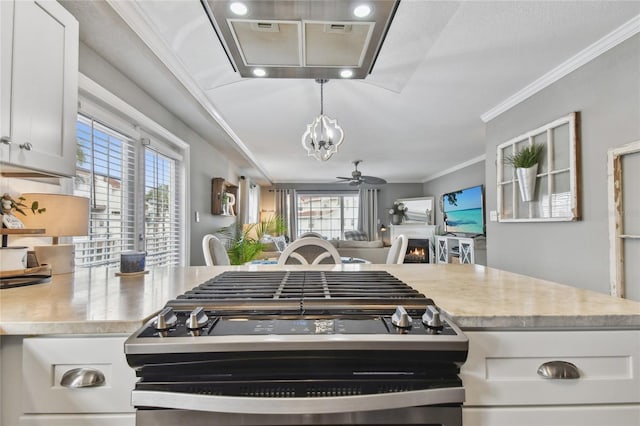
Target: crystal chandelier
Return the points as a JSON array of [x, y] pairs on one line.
[[323, 135]]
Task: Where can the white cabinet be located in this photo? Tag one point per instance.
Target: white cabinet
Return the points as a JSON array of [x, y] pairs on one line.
[[455, 250], [38, 87], [503, 386]]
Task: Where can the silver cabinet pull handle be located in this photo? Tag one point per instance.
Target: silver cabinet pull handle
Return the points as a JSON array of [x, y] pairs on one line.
[[558, 370], [5, 140], [82, 378], [26, 146]]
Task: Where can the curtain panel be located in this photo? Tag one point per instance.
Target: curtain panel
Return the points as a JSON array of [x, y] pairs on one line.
[[368, 212], [286, 209]]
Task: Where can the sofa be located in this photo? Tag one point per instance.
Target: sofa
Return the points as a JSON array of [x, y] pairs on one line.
[[373, 251]]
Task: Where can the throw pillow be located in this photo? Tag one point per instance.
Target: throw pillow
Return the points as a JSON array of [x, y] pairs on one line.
[[280, 242], [355, 236]]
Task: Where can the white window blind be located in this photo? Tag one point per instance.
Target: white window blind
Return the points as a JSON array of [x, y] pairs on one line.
[[162, 209], [105, 173]]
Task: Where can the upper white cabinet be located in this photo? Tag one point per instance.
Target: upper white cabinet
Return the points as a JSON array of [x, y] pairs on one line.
[[38, 87]]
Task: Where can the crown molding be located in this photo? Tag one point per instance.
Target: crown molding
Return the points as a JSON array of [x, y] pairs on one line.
[[611, 40], [455, 168]]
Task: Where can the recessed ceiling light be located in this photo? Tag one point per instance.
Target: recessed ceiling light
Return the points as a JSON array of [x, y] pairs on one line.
[[238, 8], [259, 72], [346, 73], [362, 11]]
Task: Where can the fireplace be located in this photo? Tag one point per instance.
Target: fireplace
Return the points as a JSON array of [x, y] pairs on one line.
[[417, 251]]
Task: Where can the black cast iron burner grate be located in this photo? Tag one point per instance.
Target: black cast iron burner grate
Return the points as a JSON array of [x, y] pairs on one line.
[[302, 284]]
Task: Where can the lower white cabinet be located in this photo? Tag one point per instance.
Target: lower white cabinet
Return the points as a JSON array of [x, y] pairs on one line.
[[67, 380], [503, 386]]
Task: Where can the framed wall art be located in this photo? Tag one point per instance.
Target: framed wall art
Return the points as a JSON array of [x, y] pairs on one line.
[[555, 195]]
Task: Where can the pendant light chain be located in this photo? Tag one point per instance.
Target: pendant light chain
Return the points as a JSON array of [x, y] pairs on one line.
[[322, 98]]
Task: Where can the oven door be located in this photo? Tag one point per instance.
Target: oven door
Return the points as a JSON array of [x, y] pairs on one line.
[[422, 407]]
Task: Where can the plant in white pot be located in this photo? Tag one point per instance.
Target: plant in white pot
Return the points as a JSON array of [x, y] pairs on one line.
[[526, 162]]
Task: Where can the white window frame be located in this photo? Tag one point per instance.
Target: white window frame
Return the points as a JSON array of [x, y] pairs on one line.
[[102, 105], [618, 236], [328, 194]]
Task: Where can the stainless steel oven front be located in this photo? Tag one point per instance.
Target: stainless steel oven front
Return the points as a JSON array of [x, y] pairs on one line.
[[441, 415], [295, 380]]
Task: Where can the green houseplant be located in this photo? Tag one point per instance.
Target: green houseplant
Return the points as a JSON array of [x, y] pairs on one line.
[[525, 161], [527, 157], [246, 240]]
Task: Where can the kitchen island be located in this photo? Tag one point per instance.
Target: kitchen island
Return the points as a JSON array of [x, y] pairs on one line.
[[514, 324]]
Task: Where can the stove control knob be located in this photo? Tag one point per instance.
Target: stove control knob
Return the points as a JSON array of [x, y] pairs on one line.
[[197, 319], [401, 318], [166, 319], [431, 317]]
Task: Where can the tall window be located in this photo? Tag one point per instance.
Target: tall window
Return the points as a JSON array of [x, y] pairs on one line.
[[105, 169], [162, 214], [329, 215], [124, 217]]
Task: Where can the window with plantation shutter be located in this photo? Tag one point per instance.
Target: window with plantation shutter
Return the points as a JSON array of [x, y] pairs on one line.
[[162, 213], [134, 193], [105, 173]]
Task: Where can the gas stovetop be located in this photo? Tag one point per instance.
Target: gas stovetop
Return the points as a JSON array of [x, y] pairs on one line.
[[298, 311]]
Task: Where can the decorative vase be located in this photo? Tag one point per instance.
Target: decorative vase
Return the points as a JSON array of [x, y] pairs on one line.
[[527, 182], [396, 219]]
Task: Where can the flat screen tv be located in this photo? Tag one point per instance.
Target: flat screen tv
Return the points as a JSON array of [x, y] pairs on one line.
[[463, 211]]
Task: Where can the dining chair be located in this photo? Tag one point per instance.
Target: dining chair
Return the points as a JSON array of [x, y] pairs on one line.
[[310, 234], [397, 250], [309, 251], [214, 251]]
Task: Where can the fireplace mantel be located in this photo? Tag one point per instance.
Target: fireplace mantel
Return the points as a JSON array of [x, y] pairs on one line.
[[413, 230]]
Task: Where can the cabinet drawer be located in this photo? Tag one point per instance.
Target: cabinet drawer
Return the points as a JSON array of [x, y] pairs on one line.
[[46, 360], [501, 368], [573, 415]]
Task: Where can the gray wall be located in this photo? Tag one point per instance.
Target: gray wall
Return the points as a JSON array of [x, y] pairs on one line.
[[606, 91], [205, 161], [464, 178]]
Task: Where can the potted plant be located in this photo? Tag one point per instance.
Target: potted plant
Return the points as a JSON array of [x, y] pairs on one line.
[[246, 240], [397, 212], [526, 162], [243, 246], [9, 205]]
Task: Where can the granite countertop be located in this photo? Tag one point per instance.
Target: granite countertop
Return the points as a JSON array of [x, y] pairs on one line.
[[94, 301]]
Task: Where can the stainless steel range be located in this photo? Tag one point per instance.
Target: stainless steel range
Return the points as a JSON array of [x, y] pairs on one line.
[[299, 348]]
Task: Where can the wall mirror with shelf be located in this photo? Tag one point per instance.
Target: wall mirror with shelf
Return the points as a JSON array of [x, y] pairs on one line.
[[221, 194], [419, 209]]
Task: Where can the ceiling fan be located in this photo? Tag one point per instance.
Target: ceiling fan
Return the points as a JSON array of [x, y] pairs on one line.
[[357, 177]]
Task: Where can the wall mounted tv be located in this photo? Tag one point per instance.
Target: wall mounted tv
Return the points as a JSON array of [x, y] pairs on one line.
[[463, 211]]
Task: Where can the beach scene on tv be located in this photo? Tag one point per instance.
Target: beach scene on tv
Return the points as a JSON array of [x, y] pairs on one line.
[[463, 212]]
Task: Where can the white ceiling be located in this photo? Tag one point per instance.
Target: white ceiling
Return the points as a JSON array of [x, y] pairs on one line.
[[443, 65]]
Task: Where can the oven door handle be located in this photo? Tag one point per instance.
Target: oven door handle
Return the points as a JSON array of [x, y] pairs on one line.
[[311, 405]]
